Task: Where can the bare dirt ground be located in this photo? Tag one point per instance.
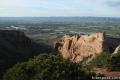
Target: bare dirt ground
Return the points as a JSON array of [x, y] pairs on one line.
[[107, 73]]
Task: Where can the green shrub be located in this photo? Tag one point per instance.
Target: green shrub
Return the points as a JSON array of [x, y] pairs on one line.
[[100, 61], [114, 62], [47, 67]]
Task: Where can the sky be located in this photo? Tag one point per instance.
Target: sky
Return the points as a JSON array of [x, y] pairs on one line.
[[48, 8]]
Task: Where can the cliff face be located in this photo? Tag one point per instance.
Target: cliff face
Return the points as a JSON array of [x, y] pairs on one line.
[[15, 46], [79, 47], [112, 43], [14, 41]]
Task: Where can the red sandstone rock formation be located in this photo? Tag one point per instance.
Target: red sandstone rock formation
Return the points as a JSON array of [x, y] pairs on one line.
[[78, 47]]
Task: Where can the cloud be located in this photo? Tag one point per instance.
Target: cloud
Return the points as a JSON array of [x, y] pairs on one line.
[[114, 3], [104, 8]]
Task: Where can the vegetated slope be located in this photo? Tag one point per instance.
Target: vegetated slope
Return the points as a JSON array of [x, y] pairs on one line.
[[109, 65], [15, 46], [48, 67]]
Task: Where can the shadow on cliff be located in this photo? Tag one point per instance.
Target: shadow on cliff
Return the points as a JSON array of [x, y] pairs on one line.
[[15, 47], [112, 43]]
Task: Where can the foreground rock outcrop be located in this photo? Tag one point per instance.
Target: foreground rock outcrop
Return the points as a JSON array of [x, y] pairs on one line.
[[79, 47]]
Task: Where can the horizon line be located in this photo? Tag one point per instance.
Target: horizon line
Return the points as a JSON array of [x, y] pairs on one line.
[[57, 16]]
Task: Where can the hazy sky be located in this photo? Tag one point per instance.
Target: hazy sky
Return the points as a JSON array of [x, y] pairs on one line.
[[104, 8]]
